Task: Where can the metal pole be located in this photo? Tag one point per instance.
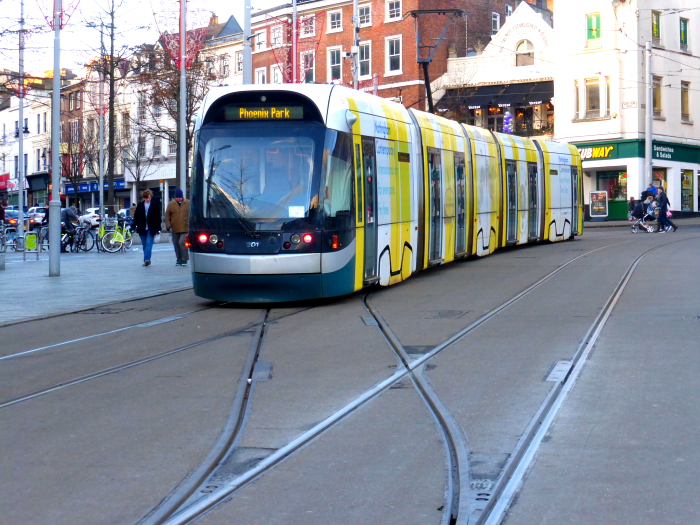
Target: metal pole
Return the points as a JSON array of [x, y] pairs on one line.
[[55, 203], [295, 36], [183, 94], [247, 46], [650, 119], [20, 125], [102, 123], [356, 44]]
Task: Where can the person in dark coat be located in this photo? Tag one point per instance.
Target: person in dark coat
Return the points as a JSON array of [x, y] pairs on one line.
[[147, 223], [664, 222]]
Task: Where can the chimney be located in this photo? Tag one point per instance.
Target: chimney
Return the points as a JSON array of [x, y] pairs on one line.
[[213, 20]]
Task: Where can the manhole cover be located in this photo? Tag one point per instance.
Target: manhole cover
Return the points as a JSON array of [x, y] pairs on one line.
[[446, 314]]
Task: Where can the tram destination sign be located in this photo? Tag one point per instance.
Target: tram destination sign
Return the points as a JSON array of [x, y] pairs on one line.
[[264, 113]]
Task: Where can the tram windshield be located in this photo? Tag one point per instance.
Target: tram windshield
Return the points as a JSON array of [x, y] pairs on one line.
[[265, 181]]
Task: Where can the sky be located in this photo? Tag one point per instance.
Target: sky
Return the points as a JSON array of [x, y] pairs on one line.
[[135, 25]]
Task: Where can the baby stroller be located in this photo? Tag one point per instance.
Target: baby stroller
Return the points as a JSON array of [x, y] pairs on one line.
[[643, 218]]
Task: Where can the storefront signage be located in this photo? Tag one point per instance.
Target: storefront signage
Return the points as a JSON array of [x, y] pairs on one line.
[[601, 152], [599, 204], [94, 186], [663, 152]]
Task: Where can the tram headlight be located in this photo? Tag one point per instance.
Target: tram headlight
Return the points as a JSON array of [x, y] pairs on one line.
[[296, 238], [213, 238]]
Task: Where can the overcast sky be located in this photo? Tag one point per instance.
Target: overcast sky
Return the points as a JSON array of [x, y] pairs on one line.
[[135, 25]]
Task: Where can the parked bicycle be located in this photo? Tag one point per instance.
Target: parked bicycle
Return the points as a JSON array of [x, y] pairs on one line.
[[83, 238], [10, 240], [119, 238]]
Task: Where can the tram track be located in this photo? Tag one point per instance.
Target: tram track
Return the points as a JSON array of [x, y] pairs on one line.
[[460, 500]]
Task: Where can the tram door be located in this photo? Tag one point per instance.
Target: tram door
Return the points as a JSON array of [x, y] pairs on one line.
[[574, 198], [512, 182], [435, 169], [533, 192], [460, 185], [369, 168]]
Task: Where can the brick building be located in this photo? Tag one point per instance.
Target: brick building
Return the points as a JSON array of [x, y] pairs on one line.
[[388, 48]]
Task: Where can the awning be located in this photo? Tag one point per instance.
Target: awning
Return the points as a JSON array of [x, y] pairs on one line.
[[472, 97], [4, 180], [522, 94], [542, 93]]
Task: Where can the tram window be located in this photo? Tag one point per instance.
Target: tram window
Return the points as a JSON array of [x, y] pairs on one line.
[[338, 183], [262, 179], [553, 172]]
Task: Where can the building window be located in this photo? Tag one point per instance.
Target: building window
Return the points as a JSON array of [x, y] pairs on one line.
[[393, 51], [45, 114], [75, 131], [261, 75], [365, 12], [308, 26], [223, 66], [91, 129], [78, 96], [524, 54], [308, 65], [335, 21], [38, 160], [157, 111], [685, 101], [157, 141], [365, 60], [657, 96], [70, 101], [607, 96], [495, 23], [126, 130], [239, 61], [141, 151], [509, 10], [276, 74], [276, 35], [577, 100], [38, 123], [172, 146], [593, 29], [684, 35], [260, 41], [592, 97], [655, 27], [393, 10], [335, 71], [141, 110]]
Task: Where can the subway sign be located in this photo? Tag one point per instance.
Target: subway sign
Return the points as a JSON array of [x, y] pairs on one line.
[[600, 152], [264, 113]]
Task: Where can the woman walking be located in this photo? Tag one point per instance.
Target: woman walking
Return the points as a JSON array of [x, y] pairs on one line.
[[147, 223], [664, 220]]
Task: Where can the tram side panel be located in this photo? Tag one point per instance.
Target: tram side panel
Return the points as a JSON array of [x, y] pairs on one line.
[[487, 190]]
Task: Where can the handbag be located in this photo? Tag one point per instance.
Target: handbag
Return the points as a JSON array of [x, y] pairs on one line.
[[669, 214]]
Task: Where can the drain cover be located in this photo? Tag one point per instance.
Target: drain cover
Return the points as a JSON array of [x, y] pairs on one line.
[[559, 371]]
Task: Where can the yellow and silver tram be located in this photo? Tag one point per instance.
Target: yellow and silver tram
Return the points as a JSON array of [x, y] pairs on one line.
[[309, 191]]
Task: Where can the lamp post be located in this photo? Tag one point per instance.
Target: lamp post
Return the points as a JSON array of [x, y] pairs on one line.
[[21, 128], [55, 203]]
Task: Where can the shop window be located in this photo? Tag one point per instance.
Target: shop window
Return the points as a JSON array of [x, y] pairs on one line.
[[494, 122], [657, 96], [684, 35], [615, 183], [685, 101], [658, 177], [593, 29], [687, 190], [592, 98], [656, 27]]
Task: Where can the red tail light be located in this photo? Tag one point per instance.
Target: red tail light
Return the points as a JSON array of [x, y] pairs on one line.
[[307, 238], [187, 241], [334, 242], [203, 237]]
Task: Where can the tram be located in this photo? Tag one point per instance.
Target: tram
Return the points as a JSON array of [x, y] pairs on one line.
[[309, 191]]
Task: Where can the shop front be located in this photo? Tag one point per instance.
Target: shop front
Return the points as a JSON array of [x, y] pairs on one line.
[[89, 195], [619, 169]]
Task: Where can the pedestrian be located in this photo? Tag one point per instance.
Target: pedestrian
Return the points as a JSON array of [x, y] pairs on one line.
[[632, 204], [3, 203], [147, 223], [664, 219], [177, 221]]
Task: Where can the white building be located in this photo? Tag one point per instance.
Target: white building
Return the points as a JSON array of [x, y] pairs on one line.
[[601, 91]]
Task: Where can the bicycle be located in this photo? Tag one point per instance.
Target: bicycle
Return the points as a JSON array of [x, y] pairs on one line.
[[83, 238], [12, 240], [120, 238]]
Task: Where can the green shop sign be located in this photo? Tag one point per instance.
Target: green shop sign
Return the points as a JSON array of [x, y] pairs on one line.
[[627, 149]]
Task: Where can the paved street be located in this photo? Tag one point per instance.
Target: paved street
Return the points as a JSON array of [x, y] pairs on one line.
[[104, 413]]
